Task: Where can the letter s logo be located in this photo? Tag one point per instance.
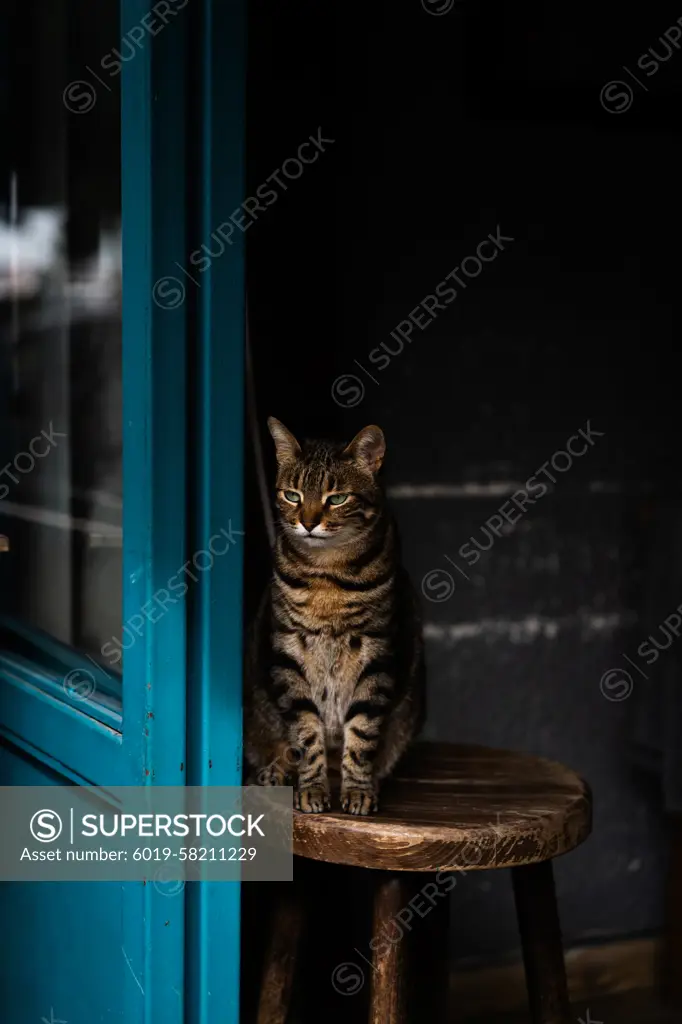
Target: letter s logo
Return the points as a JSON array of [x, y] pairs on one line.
[[46, 826]]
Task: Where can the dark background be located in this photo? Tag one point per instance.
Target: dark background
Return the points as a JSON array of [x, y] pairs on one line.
[[446, 127]]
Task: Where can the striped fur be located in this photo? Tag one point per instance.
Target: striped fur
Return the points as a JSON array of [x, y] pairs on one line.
[[334, 663]]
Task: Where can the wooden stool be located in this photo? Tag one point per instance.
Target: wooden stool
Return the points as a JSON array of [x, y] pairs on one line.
[[447, 808]]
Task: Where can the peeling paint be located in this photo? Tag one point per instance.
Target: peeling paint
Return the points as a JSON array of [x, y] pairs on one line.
[[494, 489], [500, 488], [519, 631]]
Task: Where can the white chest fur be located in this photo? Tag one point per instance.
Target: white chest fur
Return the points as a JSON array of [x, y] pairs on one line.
[[332, 669]]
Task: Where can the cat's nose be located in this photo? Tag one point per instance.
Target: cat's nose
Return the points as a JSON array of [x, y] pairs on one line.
[[309, 526]]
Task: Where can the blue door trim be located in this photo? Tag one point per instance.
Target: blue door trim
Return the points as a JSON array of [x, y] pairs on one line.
[[175, 716], [215, 691], [154, 484], [59, 659], [154, 381]]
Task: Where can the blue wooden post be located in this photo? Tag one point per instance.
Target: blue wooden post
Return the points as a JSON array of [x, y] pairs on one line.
[[215, 726], [154, 481]]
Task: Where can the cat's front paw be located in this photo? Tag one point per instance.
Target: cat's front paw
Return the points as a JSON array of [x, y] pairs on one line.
[[359, 801], [313, 800]]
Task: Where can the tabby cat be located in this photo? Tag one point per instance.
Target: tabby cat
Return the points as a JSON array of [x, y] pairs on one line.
[[335, 674]]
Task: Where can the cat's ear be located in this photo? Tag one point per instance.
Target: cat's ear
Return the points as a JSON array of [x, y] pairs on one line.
[[286, 445], [367, 448]]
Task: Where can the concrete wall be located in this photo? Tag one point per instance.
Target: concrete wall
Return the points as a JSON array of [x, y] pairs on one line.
[[446, 128]]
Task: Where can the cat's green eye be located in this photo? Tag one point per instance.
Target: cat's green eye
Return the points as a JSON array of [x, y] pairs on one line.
[[293, 496], [337, 499]]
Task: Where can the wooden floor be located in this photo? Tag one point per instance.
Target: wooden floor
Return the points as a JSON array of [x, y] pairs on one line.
[[630, 1008]]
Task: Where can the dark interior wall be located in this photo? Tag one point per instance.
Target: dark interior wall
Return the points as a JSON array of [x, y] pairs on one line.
[[448, 128]]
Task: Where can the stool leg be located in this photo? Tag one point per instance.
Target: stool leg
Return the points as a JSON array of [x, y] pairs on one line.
[[543, 953], [280, 959], [388, 994], [410, 942]]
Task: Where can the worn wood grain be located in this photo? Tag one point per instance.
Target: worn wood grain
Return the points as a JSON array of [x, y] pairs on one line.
[[281, 957], [453, 807], [390, 964]]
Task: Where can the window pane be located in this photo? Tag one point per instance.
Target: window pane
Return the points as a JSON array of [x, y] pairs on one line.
[[60, 319]]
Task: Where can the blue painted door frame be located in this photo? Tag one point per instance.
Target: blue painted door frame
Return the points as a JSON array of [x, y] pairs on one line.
[[215, 735], [130, 953]]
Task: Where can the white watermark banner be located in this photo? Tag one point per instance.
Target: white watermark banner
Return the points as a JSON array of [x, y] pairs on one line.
[[163, 834]]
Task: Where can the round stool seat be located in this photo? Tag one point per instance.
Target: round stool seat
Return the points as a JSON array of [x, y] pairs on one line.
[[450, 807]]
